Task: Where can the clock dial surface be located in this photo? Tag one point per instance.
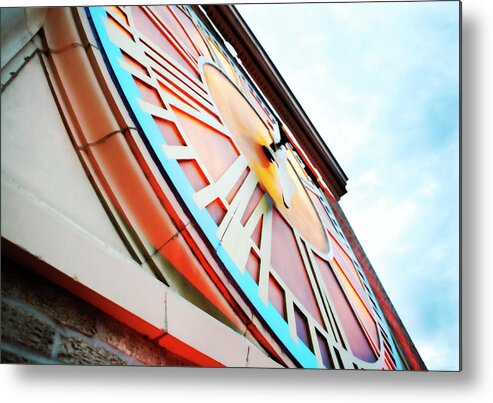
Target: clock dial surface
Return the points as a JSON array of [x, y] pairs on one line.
[[252, 137], [271, 229]]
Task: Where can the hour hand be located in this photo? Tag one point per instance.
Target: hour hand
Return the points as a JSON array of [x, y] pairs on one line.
[[276, 153], [271, 149]]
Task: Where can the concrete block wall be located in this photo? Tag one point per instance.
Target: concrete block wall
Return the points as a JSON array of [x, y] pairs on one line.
[[41, 323]]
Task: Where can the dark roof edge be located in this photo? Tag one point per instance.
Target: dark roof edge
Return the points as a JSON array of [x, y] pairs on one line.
[[258, 64]]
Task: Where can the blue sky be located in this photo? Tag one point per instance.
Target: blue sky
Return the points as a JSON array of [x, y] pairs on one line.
[[380, 81]]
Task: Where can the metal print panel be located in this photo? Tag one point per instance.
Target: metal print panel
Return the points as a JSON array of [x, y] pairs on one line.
[[188, 197]]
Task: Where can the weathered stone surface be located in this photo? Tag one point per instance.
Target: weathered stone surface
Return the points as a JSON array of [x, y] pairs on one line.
[[128, 342], [77, 351], [53, 301], [20, 328], [9, 287], [8, 357], [135, 345], [32, 334]]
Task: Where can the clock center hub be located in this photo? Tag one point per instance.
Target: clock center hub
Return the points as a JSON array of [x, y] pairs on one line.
[[273, 169]]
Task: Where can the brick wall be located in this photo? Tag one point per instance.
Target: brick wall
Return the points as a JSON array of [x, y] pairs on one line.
[[43, 324]]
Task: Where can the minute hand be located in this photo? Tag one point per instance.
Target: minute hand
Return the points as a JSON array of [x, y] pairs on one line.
[[287, 186]]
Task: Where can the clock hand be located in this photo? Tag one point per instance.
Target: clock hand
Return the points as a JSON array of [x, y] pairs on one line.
[[269, 152], [276, 134], [271, 149], [287, 186], [276, 153]]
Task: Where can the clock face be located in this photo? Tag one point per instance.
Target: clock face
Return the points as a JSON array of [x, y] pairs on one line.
[[216, 139]]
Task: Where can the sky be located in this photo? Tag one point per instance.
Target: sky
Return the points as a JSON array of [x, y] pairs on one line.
[[380, 82]]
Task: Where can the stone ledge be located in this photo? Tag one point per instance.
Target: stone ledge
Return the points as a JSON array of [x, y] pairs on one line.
[[73, 258]]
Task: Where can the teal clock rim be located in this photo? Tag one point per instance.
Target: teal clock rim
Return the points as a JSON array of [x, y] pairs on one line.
[[148, 129]]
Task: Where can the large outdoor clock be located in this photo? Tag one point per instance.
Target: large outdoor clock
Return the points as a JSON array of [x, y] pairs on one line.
[[246, 183]]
